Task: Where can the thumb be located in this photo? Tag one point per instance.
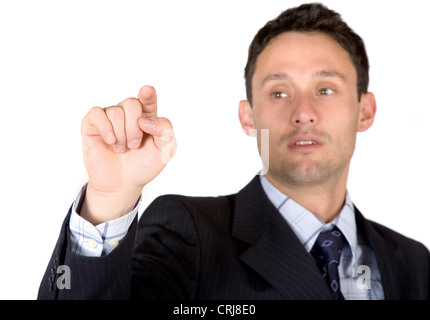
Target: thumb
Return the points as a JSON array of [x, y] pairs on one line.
[[161, 130]]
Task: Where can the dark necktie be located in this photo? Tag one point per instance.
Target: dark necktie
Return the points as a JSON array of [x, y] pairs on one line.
[[326, 252]]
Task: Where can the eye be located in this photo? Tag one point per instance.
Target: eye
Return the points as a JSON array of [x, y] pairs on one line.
[[279, 95], [325, 92]]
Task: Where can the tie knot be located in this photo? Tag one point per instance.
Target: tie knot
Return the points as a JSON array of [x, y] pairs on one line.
[[328, 246]]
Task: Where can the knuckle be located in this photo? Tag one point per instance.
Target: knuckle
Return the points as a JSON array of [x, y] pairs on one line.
[[95, 109], [92, 116], [131, 104], [94, 112], [115, 111], [96, 120], [166, 122]]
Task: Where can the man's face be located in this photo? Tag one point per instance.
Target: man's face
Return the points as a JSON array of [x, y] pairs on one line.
[[305, 93]]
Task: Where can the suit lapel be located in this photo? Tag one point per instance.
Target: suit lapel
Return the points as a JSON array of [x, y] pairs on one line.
[[389, 265], [274, 250]]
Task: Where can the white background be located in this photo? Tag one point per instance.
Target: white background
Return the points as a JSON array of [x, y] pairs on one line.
[[60, 58]]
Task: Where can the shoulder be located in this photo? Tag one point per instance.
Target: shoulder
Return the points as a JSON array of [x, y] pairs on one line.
[[398, 240], [381, 235], [404, 263], [397, 250], [179, 209], [202, 204]]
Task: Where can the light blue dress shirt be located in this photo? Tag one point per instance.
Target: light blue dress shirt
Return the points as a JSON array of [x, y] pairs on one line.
[[96, 241], [358, 270]]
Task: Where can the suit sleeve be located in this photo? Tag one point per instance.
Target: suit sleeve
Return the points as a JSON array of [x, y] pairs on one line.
[[167, 251], [159, 261], [69, 276]]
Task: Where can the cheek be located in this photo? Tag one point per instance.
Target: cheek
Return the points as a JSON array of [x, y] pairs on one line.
[[341, 124], [262, 120], [343, 118], [270, 117], [344, 136], [270, 128]]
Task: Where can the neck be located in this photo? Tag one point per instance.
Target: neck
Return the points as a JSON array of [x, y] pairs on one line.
[[324, 200]]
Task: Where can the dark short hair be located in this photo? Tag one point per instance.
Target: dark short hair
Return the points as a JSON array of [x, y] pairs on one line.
[[313, 17]]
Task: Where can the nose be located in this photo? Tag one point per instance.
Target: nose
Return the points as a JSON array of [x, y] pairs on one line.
[[304, 112]]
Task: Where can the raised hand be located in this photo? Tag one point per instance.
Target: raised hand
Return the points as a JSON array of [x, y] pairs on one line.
[[124, 147]]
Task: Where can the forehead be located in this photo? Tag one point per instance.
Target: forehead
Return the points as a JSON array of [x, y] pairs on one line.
[[300, 53]]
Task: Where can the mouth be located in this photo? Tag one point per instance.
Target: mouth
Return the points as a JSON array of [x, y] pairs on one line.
[[305, 143]]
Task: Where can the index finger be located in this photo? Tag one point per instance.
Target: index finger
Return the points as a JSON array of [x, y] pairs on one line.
[[148, 98]]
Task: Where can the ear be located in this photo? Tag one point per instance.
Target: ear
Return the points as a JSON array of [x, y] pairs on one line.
[[246, 116], [367, 111]]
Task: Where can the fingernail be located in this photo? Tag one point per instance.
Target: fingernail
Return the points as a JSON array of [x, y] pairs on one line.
[[134, 144], [119, 149], [148, 122]]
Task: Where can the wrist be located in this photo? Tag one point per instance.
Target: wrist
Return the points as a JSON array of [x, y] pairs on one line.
[[101, 206]]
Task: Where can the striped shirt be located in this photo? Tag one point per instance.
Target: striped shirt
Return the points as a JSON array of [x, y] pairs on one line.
[[359, 274], [358, 270], [96, 241]]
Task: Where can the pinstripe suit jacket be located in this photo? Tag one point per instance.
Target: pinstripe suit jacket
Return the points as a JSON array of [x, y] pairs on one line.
[[229, 247]]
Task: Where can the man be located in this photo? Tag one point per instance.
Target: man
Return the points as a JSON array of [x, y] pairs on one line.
[[306, 81]]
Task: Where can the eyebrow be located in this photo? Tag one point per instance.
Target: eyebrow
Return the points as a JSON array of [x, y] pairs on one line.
[[329, 74], [274, 77], [317, 74]]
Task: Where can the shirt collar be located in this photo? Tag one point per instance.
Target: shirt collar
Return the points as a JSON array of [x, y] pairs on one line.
[[305, 224]]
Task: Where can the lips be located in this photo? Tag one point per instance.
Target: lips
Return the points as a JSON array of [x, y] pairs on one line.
[[305, 142]]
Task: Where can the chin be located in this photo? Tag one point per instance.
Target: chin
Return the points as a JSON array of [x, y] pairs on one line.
[[302, 173]]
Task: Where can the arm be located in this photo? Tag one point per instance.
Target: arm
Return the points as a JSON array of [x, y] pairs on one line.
[[124, 148], [166, 255], [107, 277], [95, 241]]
